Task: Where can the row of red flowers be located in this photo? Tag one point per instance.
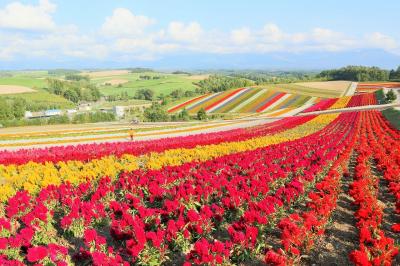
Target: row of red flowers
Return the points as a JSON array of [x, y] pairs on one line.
[[384, 142], [300, 230], [375, 248]]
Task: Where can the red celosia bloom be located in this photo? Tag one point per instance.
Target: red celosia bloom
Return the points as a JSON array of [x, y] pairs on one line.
[[36, 254]]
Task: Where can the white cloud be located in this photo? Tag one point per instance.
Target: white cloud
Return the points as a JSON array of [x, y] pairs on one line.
[[379, 40], [187, 33], [272, 33], [124, 23], [241, 36], [28, 17]]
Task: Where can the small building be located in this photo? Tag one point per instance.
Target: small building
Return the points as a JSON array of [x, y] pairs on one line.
[[119, 111], [84, 107], [28, 114], [106, 110], [52, 112], [71, 112]]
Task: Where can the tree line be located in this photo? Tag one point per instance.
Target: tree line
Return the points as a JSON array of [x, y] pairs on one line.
[[275, 77], [356, 73], [395, 74], [217, 83]]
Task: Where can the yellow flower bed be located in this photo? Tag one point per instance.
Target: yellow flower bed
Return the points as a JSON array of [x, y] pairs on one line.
[[33, 176], [341, 103]]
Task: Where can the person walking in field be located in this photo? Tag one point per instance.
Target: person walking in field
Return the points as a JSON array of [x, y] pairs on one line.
[[131, 133]]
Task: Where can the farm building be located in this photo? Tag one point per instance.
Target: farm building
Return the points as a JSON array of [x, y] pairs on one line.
[[119, 111], [28, 114], [52, 112], [71, 111]]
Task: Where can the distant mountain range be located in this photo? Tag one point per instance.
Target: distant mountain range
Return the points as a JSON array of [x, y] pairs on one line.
[[277, 60]]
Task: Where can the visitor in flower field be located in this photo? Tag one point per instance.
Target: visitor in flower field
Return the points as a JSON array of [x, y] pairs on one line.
[[131, 133]]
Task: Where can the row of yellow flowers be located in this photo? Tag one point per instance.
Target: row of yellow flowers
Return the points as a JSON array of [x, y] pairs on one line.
[[341, 102], [33, 176]]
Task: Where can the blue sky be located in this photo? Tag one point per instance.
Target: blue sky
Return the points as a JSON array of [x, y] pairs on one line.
[[198, 34]]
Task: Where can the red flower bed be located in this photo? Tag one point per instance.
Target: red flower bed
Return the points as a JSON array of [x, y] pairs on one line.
[[214, 212], [321, 105], [362, 99]]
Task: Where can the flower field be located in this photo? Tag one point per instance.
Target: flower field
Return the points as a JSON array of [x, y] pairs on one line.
[[242, 100], [264, 194]]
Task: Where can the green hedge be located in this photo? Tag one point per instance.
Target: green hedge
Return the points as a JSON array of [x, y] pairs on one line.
[[63, 119], [393, 116]]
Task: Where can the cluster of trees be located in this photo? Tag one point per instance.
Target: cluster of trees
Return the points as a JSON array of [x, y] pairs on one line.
[[217, 83], [12, 108], [176, 95], [148, 77], [390, 96], [123, 96], [356, 73], [179, 72], [75, 77], [395, 74], [157, 113], [74, 91], [179, 93], [144, 94]]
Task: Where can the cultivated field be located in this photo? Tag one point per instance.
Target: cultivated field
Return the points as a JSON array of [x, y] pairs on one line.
[[105, 73], [14, 89], [337, 86]]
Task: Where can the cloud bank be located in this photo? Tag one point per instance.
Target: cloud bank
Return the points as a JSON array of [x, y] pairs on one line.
[[29, 31]]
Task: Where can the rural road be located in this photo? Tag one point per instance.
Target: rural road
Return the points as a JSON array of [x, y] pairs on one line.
[[148, 135]]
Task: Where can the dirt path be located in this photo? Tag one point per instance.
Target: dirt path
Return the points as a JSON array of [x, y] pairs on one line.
[[390, 217], [341, 237]]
